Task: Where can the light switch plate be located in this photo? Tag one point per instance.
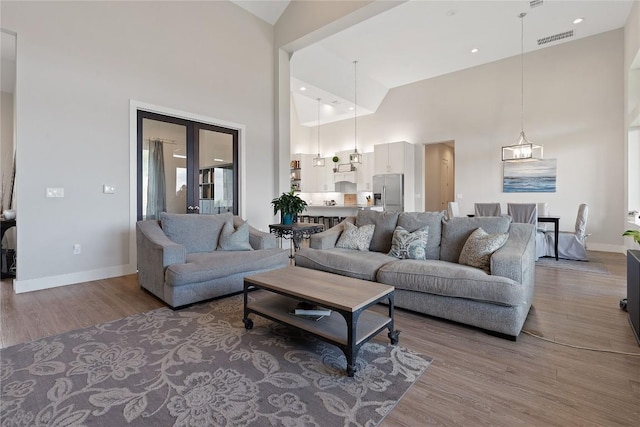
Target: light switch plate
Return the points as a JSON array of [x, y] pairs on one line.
[[108, 189], [55, 192]]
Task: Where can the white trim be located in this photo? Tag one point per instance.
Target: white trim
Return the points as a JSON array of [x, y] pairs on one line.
[[604, 247], [20, 286], [134, 106]]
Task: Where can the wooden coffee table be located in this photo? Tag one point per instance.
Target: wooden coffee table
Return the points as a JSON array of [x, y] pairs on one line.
[[350, 324]]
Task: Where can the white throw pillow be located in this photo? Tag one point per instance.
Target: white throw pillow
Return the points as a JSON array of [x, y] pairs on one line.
[[353, 237]]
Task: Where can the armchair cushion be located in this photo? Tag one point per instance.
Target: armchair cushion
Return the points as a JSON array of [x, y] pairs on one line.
[[198, 233]]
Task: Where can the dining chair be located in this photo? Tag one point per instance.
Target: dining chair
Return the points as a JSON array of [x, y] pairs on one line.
[[453, 210], [572, 244], [528, 213], [487, 209]]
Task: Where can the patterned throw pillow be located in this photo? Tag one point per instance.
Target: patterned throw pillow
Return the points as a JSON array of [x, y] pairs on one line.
[[478, 248], [234, 239], [353, 237], [405, 245]]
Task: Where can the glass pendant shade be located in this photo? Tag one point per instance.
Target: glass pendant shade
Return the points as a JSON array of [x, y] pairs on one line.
[[523, 149], [318, 161]]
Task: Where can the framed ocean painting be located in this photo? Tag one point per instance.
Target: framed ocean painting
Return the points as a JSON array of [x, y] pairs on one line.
[[535, 176]]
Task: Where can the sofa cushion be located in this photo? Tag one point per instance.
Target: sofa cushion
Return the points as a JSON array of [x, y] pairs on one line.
[[354, 237], [346, 262], [385, 223], [197, 233], [456, 231], [205, 266], [411, 221], [479, 247], [451, 280], [409, 245], [234, 239]]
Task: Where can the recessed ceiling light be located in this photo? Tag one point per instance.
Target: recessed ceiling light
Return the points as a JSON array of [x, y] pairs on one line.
[[474, 50], [303, 88], [578, 20], [350, 108]]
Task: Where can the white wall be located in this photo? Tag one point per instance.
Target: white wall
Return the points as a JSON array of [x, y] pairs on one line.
[[573, 99], [79, 65]]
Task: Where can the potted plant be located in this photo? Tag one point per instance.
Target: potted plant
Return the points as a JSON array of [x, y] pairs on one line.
[[633, 233], [335, 160], [289, 205]]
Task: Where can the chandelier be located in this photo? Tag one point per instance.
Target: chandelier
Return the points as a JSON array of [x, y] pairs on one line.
[[318, 160], [523, 149], [355, 157]]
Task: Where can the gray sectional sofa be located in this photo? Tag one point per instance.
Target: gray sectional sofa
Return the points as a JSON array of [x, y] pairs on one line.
[[439, 286], [187, 258]]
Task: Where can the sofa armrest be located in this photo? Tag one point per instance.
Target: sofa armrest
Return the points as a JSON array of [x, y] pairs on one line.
[[328, 238], [516, 259], [155, 252], [257, 239]]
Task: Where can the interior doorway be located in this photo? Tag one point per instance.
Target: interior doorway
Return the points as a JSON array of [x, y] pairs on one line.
[[185, 166], [439, 175]]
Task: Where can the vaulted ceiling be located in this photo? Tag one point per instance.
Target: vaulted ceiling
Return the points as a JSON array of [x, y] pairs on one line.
[[419, 39]]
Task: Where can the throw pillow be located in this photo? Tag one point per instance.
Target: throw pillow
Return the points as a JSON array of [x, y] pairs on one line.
[[406, 245], [478, 248], [353, 237], [234, 239]]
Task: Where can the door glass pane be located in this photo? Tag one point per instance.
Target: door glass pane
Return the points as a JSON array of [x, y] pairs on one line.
[[164, 168], [216, 176]]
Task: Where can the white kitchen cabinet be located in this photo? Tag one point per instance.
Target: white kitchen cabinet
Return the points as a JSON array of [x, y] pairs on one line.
[[365, 173], [392, 157], [308, 177], [324, 176]]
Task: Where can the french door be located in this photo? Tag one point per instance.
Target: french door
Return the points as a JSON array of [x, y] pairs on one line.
[[185, 166]]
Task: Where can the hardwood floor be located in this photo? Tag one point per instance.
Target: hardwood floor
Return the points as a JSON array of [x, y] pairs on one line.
[[475, 379]]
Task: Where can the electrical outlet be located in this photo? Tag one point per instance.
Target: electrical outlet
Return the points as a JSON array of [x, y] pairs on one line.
[[55, 192], [77, 249]]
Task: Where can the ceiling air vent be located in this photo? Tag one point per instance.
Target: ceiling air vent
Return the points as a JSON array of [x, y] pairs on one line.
[[555, 37], [535, 3]]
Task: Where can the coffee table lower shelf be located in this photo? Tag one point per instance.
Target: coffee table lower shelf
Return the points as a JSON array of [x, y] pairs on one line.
[[333, 329]]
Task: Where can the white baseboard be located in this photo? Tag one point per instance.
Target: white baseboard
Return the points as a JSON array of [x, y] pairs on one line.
[[20, 286], [603, 247]]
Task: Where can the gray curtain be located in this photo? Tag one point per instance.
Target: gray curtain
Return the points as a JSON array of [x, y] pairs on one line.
[[157, 186]]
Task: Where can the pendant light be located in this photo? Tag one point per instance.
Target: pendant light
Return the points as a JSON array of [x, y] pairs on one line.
[[523, 149], [355, 157], [318, 161]]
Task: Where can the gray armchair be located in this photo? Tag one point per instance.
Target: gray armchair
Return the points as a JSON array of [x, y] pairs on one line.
[[181, 260]]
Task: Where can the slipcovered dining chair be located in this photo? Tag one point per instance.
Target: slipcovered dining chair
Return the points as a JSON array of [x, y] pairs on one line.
[[487, 209], [572, 245], [528, 213], [453, 210]]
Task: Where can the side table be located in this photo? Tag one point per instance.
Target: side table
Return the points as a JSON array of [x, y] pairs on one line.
[[295, 232]]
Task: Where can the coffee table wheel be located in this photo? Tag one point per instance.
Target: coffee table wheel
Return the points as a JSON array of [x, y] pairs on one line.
[[248, 323], [394, 336]]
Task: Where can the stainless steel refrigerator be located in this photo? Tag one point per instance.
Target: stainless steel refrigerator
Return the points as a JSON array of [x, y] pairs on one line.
[[388, 192]]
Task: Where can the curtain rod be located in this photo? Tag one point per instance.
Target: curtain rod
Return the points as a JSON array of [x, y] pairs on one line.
[[164, 141]]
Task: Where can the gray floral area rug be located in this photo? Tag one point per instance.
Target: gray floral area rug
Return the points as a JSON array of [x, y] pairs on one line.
[[199, 367]]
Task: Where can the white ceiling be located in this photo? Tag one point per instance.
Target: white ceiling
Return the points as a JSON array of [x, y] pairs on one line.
[[417, 40]]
